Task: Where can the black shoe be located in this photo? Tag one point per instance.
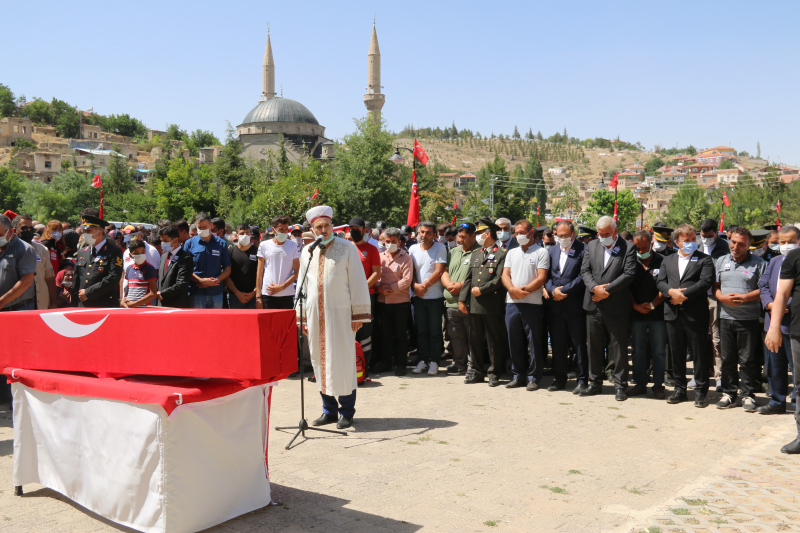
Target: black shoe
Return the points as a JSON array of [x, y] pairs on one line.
[[324, 420], [792, 448], [453, 370], [669, 382], [400, 370], [473, 377], [700, 400], [558, 385], [531, 386], [620, 395], [514, 383], [771, 410], [379, 368], [591, 390], [344, 422], [678, 397], [580, 388], [494, 382]]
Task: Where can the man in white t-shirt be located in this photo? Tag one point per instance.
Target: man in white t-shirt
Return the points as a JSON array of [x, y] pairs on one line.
[[151, 253], [278, 265], [524, 275]]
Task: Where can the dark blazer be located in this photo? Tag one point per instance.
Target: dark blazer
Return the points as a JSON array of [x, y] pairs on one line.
[[174, 282], [569, 280], [768, 285], [485, 271], [619, 274], [697, 279], [722, 248], [99, 273]]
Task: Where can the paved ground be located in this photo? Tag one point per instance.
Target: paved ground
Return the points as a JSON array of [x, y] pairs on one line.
[[433, 453]]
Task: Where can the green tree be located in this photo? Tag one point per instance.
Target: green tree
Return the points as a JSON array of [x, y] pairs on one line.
[[537, 186], [12, 186], [175, 133], [177, 194], [62, 199], [653, 164], [567, 199], [516, 134], [758, 150], [126, 125], [7, 106], [119, 178], [726, 164], [66, 118], [602, 204], [689, 206], [39, 112]]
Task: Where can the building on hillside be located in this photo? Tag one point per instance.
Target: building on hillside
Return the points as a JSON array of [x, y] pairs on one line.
[[728, 176], [449, 179], [636, 167], [97, 160], [37, 165], [713, 158], [721, 149], [684, 160], [698, 168], [155, 133], [558, 172], [129, 150], [704, 179], [467, 180], [12, 129], [209, 154]]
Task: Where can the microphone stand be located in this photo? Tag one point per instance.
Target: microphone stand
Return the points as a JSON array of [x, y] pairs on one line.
[[303, 426]]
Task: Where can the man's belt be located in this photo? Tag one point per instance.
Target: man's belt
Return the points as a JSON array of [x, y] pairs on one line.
[[17, 307]]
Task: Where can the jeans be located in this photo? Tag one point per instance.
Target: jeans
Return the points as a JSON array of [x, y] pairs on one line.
[[656, 330], [346, 406], [777, 366], [428, 321], [525, 326], [741, 343], [394, 333], [234, 303], [206, 301]]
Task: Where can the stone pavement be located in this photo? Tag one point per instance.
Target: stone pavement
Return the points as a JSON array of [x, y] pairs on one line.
[[432, 453]]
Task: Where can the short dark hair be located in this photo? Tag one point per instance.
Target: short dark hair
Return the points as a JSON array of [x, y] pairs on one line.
[[708, 224], [784, 229], [169, 231], [19, 218], [547, 233], [135, 244], [281, 219], [202, 216], [626, 235], [643, 234], [243, 226], [427, 224], [450, 231], [90, 211], [569, 224], [443, 227], [467, 227], [182, 225], [525, 222], [738, 230], [163, 222], [218, 223]]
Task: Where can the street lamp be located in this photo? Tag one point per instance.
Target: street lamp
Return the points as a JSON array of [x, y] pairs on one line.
[[399, 159], [641, 222]]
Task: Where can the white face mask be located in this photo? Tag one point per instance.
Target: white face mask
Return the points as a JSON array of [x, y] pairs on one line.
[[607, 241], [482, 238], [281, 237], [139, 259], [244, 240], [89, 239], [66, 283], [566, 242], [504, 236], [56, 235], [786, 248], [523, 240], [392, 248], [299, 240], [452, 244], [758, 253], [708, 241], [204, 233], [659, 246]]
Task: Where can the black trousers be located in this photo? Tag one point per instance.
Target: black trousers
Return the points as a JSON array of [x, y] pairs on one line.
[[492, 330], [568, 329], [684, 334], [364, 336], [617, 328], [741, 344], [277, 302], [394, 332]]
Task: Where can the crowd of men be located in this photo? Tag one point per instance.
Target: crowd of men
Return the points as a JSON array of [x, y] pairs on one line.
[[481, 295]]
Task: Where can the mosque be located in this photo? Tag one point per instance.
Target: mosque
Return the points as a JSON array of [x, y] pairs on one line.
[[276, 117]]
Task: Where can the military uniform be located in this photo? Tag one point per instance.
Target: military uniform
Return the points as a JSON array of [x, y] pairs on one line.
[[99, 274], [486, 312]]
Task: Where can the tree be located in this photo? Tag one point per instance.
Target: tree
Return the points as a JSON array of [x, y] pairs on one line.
[[126, 125], [758, 150], [178, 193], [516, 134], [539, 135], [689, 206], [66, 118], [119, 178], [567, 199], [7, 106], [602, 204], [62, 199], [38, 111], [538, 188], [175, 133], [653, 164], [726, 164], [12, 185]]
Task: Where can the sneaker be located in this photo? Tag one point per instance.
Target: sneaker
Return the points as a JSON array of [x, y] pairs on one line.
[[453, 370], [692, 384], [433, 370], [749, 405], [718, 388], [421, 367], [726, 402]]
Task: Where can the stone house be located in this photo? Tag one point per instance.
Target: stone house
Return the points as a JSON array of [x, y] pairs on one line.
[[12, 128]]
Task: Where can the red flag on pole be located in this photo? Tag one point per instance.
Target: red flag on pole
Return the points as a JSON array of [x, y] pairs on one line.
[[316, 193], [97, 183], [538, 208], [777, 218], [413, 205], [722, 222], [614, 181], [725, 200], [420, 154], [455, 206]]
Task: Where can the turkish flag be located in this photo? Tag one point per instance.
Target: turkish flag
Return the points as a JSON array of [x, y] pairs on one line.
[[455, 206], [779, 206], [614, 181], [97, 182], [413, 205], [419, 153], [316, 193], [725, 200]]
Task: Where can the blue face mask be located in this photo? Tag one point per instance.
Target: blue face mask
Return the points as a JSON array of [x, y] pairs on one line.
[[689, 248]]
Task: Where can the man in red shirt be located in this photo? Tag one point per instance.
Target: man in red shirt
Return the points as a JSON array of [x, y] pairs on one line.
[[371, 261]]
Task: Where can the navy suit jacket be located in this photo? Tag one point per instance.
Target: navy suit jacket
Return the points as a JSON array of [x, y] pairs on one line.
[[768, 285], [570, 280]]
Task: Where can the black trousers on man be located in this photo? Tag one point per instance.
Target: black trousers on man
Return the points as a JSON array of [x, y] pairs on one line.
[[684, 334], [490, 329], [617, 329], [568, 329], [394, 333], [741, 358]]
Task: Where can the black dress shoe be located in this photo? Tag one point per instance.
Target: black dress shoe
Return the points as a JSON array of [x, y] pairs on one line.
[[532, 385], [792, 448], [514, 383], [473, 378], [591, 390], [620, 395], [557, 386], [700, 400], [324, 420], [400, 370], [669, 382], [494, 382], [771, 410], [678, 397], [344, 422], [580, 388]]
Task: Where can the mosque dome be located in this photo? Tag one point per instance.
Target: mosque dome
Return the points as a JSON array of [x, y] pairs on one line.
[[280, 109]]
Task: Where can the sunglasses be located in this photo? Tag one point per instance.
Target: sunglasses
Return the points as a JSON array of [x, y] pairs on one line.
[[26, 228]]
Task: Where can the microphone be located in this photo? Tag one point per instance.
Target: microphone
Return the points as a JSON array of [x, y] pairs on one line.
[[314, 244]]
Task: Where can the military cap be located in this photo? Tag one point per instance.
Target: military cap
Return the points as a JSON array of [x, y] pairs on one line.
[[759, 238], [662, 233], [772, 227], [91, 220], [485, 223], [583, 231]]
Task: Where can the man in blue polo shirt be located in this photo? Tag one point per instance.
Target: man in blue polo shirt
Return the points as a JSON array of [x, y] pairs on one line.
[[212, 265]]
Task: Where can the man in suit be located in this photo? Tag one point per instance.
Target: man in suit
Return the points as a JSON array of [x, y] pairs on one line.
[[684, 280], [98, 269], [175, 270], [566, 318], [715, 247], [608, 269], [483, 297]]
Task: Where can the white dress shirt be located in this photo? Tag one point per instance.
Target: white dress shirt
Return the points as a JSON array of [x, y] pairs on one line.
[[683, 262], [607, 255], [562, 259]]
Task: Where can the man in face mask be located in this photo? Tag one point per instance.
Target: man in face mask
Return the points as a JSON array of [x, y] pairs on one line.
[[46, 292], [715, 246], [175, 270], [244, 270], [662, 240], [371, 262], [778, 362], [98, 268], [278, 265], [505, 236], [397, 273], [17, 270], [211, 264], [759, 246], [458, 264], [608, 270], [548, 237]]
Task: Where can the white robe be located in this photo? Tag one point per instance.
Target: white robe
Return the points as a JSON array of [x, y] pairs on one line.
[[337, 296]]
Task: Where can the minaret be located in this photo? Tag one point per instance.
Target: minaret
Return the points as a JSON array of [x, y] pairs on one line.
[[268, 75], [374, 99]]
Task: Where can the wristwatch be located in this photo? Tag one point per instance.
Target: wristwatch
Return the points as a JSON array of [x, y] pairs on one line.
[[652, 307]]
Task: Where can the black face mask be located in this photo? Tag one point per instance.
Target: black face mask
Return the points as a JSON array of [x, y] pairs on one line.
[[356, 235], [26, 236]]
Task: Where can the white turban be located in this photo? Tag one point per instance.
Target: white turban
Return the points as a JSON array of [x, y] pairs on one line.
[[319, 212]]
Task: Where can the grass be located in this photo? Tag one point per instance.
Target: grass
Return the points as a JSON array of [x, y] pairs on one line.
[[455, 459], [631, 427], [614, 408], [653, 529], [681, 511], [621, 416], [442, 442], [556, 490], [424, 439], [696, 502], [689, 418], [634, 490], [413, 442], [490, 523], [564, 403], [575, 472]]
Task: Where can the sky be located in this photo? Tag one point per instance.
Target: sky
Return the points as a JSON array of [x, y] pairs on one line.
[[705, 73]]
